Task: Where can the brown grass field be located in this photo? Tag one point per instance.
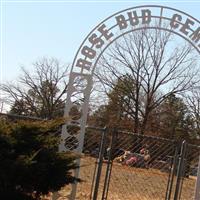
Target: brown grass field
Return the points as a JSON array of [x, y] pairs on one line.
[[127, 183]]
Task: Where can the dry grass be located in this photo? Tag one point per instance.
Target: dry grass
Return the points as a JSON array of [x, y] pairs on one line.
[[127, 183]]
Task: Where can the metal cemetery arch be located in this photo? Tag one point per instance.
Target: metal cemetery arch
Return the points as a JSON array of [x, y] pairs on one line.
[[97, 41]]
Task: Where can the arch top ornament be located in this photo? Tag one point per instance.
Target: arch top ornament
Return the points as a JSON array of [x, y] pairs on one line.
[[97, 41], [132, 19]]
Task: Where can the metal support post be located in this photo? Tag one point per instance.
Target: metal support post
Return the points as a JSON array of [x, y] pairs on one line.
[[180, 170], [100, 164], [109, 166], [172, 174], [74, 185]]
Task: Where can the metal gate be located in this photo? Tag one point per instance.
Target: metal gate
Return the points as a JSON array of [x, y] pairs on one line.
[[137, 167], [118, 165]]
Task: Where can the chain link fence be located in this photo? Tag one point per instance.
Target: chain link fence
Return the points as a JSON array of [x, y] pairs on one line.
[[141, 166], [118, 165]]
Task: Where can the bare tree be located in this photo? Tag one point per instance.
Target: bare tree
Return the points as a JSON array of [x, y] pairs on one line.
[[158, 66], [41, 92], [193, 102]]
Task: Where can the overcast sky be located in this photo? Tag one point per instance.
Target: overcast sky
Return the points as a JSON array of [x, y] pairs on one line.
[[31, 30]]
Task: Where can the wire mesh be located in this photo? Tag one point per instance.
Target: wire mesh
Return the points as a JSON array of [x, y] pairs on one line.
[[141, 167]]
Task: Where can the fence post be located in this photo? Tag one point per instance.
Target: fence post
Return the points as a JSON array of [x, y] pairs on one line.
[[172, 173], [180, 170], [109, 165], [100, 163]]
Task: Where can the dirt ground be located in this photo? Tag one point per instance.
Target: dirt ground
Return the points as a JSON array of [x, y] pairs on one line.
[[127, 183]]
